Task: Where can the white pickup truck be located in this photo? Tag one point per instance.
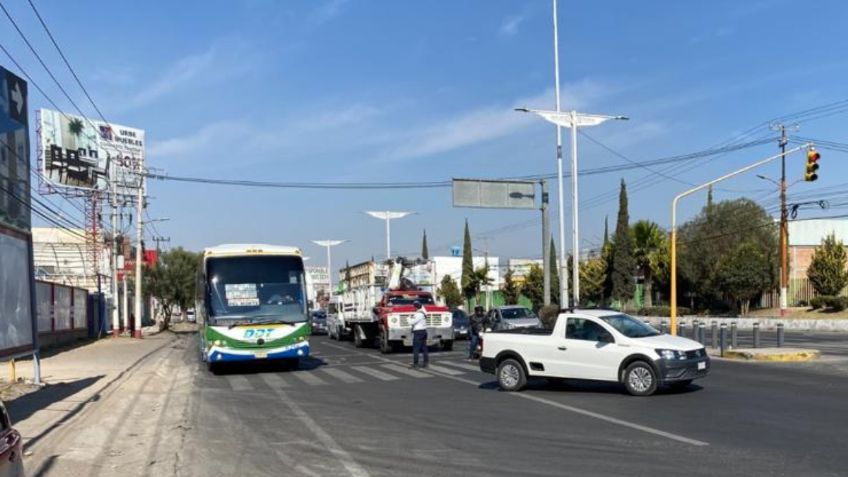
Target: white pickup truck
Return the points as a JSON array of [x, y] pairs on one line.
[[600, 345]]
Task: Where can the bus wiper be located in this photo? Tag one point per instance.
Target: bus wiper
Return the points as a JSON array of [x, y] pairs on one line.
[[260, 322]]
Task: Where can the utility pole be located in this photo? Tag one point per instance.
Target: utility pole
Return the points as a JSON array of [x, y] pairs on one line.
[[784, 224], [160, 240], [139, 237], [546, 243], [116, 318], [563, 272]]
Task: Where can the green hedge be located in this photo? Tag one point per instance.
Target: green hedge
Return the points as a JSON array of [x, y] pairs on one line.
[[831, 303], [663, 311]]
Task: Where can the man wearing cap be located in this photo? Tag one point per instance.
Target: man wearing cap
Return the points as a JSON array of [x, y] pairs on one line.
[[419, 334]]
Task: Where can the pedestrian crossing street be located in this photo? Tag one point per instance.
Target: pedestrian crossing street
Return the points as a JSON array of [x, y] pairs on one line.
[[339, 375]]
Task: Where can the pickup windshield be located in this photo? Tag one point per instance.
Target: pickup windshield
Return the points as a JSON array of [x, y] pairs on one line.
[[629, 326]]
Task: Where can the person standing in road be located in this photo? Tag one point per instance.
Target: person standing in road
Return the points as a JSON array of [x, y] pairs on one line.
[[478, 324], [419, 334]]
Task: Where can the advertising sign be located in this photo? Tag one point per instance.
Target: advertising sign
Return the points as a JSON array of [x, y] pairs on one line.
[[494, 194], [17, 317], [83, 153]]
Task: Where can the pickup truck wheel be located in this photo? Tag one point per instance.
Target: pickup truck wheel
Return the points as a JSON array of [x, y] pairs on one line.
[[640, 379], [511, 375]]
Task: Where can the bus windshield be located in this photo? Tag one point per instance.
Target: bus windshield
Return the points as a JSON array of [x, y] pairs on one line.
[[256, 289]]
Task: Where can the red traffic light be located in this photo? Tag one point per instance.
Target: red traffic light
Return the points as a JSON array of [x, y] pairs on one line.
[[813, 157]]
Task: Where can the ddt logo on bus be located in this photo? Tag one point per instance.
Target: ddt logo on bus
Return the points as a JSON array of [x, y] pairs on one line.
[[256, 334]]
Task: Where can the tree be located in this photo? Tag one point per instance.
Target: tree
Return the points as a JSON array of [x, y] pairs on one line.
[[622, 256], [554, 261], [650, 251], [479, 279], [593, 277], [425, 251], [450, 292], [606, 230], [827, 269], [717, 231], [743, 273], [511, 290], [467, 282], [172, 280], [534, 286]]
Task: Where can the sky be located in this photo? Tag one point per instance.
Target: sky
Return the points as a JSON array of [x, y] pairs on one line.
[[389, 91]]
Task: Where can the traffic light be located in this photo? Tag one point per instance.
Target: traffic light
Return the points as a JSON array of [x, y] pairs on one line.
[[813, 157]]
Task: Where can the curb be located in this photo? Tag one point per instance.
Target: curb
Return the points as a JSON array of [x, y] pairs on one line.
[[794, 356]]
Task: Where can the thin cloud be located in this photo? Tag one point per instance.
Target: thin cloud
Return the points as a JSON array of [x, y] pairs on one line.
[[174, 77], [511, 24]]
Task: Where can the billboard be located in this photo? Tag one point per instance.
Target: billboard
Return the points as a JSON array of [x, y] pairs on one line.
[[82, 153], [17, 317], [494, 194]]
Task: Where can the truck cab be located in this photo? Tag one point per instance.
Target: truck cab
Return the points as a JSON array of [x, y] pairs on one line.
[[394, 311]]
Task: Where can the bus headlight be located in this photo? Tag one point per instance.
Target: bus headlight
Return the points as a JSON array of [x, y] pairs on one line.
[[218, 343]]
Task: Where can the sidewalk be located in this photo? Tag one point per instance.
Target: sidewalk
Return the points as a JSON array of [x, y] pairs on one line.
[[73, 379]]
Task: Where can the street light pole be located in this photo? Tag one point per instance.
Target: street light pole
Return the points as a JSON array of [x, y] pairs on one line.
[[571, 119], [329, 244], [563, 271], [388, 215], [674, 203]]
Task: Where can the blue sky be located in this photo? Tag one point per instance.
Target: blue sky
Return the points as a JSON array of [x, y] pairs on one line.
[[368, 90]]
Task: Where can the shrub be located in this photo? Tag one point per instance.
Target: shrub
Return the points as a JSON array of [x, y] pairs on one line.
[[836, 303], [548, 315], [803, 303], [817, 302]]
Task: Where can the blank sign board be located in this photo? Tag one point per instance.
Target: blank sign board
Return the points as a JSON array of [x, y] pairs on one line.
[[494, 194]]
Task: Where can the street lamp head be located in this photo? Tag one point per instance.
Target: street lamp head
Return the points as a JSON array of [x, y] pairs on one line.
[[622, 118], [328, 243], [388, 214], [522, 110]]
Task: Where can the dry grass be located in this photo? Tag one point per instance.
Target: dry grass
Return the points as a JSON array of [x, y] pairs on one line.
[[801, 312]]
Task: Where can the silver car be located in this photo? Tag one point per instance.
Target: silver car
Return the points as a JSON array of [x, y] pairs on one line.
[[512, 317]]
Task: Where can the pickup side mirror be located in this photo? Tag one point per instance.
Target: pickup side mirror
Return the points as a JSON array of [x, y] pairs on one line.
[[605, 337]]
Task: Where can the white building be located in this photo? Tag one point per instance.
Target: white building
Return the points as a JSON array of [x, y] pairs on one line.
[[453, 266], [62, 256]]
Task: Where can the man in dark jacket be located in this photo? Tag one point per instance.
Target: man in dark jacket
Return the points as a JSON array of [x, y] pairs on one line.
[[478, 322]]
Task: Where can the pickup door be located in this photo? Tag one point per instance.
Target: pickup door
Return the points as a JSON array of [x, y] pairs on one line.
[[581, 352]]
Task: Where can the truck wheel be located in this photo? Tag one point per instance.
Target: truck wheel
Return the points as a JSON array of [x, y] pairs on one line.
[[640, 379], [511, 375], [447, 345], [357, 337]]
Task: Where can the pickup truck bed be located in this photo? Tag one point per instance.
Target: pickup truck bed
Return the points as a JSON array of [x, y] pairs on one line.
[[524, 331]]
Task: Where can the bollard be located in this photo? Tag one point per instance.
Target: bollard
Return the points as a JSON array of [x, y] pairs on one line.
[[734, 336], [714, 340], [756, 335], [663, 327], [681, 329], [780, 335], [701, 335], [723, 340]]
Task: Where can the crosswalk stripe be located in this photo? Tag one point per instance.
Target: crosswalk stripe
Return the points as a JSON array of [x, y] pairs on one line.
[[341, 375], [239, 383], [375, 373], [409, 372], [443, 370], [274, 381], [469, 367], [309, 378]]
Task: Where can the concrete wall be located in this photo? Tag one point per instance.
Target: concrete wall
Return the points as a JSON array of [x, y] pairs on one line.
[[766, 324]]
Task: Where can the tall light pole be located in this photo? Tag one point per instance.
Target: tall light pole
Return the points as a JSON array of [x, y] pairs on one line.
[[388, 216], [572, 120], [329, 244]]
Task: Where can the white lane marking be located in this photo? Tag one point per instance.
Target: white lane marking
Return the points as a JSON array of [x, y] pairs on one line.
[[308, 378], [274, 381], [239, 383], [344, 458], [443, 370], [341, 375], [469, 367], [409, 372], [288, 461], [375, 373], [565, 407]]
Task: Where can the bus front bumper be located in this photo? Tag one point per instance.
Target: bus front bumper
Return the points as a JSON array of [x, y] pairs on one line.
[[217, 354]]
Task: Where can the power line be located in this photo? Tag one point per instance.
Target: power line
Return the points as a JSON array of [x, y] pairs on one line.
[[67, 63]]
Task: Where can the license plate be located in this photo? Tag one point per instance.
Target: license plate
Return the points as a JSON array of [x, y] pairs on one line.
[[702, 365], [264, 354]]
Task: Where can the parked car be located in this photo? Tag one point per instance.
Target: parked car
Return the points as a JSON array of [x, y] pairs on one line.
[[513, 317], [461, 325], [598, 345], [11, 447], [319, 322]]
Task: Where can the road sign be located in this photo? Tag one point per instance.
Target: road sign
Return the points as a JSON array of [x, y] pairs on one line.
[[494, 194], [17, 317]]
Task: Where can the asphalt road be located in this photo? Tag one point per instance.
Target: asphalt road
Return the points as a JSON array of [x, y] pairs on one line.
[[829, 343], [357, 412]]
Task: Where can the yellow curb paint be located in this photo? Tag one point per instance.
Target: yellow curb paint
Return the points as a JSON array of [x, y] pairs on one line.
[[780, 357]]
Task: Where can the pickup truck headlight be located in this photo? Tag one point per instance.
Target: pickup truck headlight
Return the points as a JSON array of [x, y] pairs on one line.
[[394, 320], [670, 354]]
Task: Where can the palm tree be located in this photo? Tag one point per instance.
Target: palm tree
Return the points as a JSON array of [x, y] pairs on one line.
[[649, 251]]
